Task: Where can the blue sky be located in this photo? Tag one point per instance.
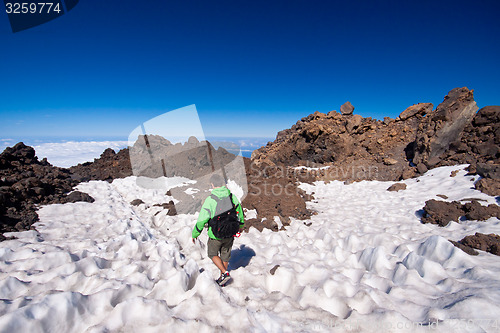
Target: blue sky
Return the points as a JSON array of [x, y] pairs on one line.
[[251, 67]]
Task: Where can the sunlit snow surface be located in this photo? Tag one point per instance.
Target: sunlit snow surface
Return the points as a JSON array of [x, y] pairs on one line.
[[366, 263]]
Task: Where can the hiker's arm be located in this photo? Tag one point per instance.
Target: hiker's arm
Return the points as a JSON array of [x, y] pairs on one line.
[[203, 218]]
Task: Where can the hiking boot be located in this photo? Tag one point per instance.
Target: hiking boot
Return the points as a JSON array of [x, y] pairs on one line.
[[224, 277]]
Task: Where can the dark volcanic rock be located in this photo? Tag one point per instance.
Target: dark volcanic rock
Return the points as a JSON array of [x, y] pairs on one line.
[[168, 205], [108, 166], [77, 196], [490, 183], [488, 243], [443, 126], [273, 270], [136, 202], [397, 187], [475, 211], [479, 142], [465, 248], [491, 171], [488, 186], [26, 182], [442, 212]]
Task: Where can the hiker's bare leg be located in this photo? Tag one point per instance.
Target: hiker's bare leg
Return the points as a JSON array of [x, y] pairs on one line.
[[218, 262], [225, 264]]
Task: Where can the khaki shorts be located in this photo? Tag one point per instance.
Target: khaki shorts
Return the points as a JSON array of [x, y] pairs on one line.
[[223, 246]]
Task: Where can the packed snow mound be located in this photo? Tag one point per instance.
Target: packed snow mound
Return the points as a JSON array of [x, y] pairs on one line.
[[365, 263]]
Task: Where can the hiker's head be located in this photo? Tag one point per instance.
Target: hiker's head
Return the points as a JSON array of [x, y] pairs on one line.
[[217, 181]]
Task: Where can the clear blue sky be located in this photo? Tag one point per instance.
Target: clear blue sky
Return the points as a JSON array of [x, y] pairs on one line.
[[251, 67]]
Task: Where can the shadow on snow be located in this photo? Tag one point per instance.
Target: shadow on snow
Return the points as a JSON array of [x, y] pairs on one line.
[[240, 257]]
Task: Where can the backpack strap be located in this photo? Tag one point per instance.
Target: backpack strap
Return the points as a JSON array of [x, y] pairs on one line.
[[216, 198]]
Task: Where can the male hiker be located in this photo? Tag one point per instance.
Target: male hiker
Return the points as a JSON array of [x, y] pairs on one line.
[[224, 215]]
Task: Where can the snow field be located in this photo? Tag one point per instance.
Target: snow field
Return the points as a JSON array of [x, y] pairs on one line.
[[366, 263]]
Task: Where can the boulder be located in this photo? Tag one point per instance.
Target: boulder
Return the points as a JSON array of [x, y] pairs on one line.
[[347, 108], [416, 109]]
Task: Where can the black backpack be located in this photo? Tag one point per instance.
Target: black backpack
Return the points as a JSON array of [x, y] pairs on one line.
[[225, 223]]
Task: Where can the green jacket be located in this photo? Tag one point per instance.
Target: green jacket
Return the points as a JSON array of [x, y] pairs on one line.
[[209, 206]]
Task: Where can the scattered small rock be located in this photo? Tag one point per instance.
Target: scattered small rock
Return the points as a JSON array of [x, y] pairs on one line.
[[422, 168], [170, 206], [273, 270], [136, 202], [397, 187], [390, 161], [442, 196], [454, 173]]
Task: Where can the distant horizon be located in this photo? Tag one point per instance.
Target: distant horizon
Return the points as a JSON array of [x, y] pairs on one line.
[[68, 152]]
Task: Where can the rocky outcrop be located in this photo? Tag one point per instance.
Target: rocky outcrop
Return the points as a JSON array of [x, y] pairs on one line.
[[354, 147], [108, 166], [26, 182], [358, 148], [490, 181], [488, 243], [488, 186], [442, 212], [443, 126], [479, 142]]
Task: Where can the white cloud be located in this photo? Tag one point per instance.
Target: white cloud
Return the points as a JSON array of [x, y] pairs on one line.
[[71, 153]]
